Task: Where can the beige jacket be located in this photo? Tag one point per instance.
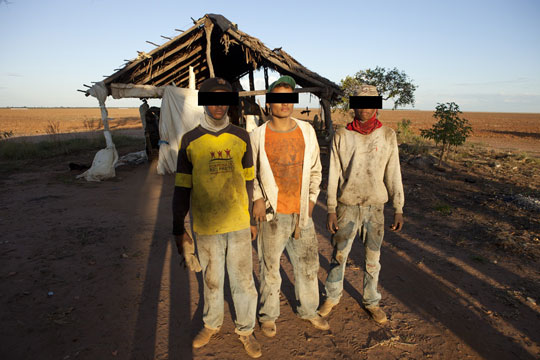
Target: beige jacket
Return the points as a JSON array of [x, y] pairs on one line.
[[264, 185], [364, 169]]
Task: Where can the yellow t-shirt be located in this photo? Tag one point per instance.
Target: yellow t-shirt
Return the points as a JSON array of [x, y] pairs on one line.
[[216, 167]]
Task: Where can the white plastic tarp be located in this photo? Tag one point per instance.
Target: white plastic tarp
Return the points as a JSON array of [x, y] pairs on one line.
[[179, 114], [120, 91], [105, 159]]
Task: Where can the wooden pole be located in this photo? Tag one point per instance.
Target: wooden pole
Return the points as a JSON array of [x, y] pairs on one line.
[[315, 90], [327, 119], [266, 86], [152, 43], [251, 81], [208, 26]]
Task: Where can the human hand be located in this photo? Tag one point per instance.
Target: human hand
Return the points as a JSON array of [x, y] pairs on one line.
[[259, 210], [253, 232], [186, 250], [331, 223], [398, 222]]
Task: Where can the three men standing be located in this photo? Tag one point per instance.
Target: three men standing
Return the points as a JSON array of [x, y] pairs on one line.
[[221, 169]]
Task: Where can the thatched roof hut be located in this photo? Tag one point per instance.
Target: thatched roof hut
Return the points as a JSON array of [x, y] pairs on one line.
[[214, 46]]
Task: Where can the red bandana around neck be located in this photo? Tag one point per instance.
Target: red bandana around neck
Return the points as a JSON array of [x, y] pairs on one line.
[[366, 127]]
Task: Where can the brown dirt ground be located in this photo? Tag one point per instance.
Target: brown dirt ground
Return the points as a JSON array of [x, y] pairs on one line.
[[460, 281]]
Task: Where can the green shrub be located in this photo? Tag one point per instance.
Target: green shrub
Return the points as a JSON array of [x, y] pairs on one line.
[[450, 130]]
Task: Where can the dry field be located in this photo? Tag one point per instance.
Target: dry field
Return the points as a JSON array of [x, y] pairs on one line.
[[503, 131], [89, 270]]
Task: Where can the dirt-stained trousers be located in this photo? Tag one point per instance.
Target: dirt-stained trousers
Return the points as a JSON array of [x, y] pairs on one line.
[[275, 236], [234, 251], [368, 222]]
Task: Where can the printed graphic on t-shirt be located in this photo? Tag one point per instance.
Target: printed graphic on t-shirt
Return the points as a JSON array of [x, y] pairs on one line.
[[221, 161]]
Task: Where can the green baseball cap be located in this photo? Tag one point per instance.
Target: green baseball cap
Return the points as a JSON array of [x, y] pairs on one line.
[[285, 79]]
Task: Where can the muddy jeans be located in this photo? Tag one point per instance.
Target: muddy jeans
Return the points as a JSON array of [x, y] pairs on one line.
[[232, 249], [275, 236], [368, 221]]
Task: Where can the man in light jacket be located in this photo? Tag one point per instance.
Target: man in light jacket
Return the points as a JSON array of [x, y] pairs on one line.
[[364, 172], [286, 187]]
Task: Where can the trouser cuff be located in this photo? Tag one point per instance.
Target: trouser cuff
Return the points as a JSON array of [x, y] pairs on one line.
[[243, 332]]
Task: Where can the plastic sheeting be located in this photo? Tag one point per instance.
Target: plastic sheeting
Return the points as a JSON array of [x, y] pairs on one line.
[[119, 91], [179, 114], [105, 159], [104, 162]]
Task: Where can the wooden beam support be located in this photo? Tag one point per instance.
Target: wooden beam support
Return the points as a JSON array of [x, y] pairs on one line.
[[266, 86], [208, 27], [327, 120], [314, 90], [251, 81], [165, 69], [180, 80], [167, 78], [174, 76]]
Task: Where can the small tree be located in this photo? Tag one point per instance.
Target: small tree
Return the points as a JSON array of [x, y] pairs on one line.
[[449, 130], [390, 83]]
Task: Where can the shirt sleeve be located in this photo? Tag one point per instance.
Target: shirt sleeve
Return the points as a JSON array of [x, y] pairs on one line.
[[254, 141], [249, 175], [334, 173], [316, 167], [392, 177], [182, 189]]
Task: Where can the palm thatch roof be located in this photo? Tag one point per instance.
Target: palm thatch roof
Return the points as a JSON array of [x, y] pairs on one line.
[[214, 46]]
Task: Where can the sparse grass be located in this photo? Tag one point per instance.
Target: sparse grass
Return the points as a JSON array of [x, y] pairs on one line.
[[53, 128], [443, 209], [14, 150], [410, 143], [92, 124], [7, 134]]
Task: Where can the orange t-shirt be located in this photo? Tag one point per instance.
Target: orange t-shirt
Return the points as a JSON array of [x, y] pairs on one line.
[[285, 151]]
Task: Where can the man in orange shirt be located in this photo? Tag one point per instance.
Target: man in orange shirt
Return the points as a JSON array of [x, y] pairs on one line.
[[286, 187]]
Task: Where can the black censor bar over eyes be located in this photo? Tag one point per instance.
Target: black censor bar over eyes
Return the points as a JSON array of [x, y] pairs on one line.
[[218, 98], [365, 102], [282, 98]]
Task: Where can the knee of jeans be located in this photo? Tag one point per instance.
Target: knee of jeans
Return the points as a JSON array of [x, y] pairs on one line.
[[340, 257], [372, 260], [211, 279]]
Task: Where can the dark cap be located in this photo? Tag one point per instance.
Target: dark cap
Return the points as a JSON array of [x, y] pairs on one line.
[[214, 84]]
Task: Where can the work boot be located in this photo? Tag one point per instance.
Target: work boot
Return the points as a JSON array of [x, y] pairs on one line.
[[326, 307], [251, 345], [319, 323], [377, 314], [203, 337], [268, 328]]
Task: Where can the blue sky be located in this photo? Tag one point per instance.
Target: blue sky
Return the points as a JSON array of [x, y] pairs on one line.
[[483, 55]]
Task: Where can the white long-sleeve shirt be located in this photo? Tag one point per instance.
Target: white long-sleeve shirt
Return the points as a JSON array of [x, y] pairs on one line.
[[264, 185], [364, 169]]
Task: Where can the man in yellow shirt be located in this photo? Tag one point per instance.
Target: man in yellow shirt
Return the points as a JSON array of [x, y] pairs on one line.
[[215, 175]]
